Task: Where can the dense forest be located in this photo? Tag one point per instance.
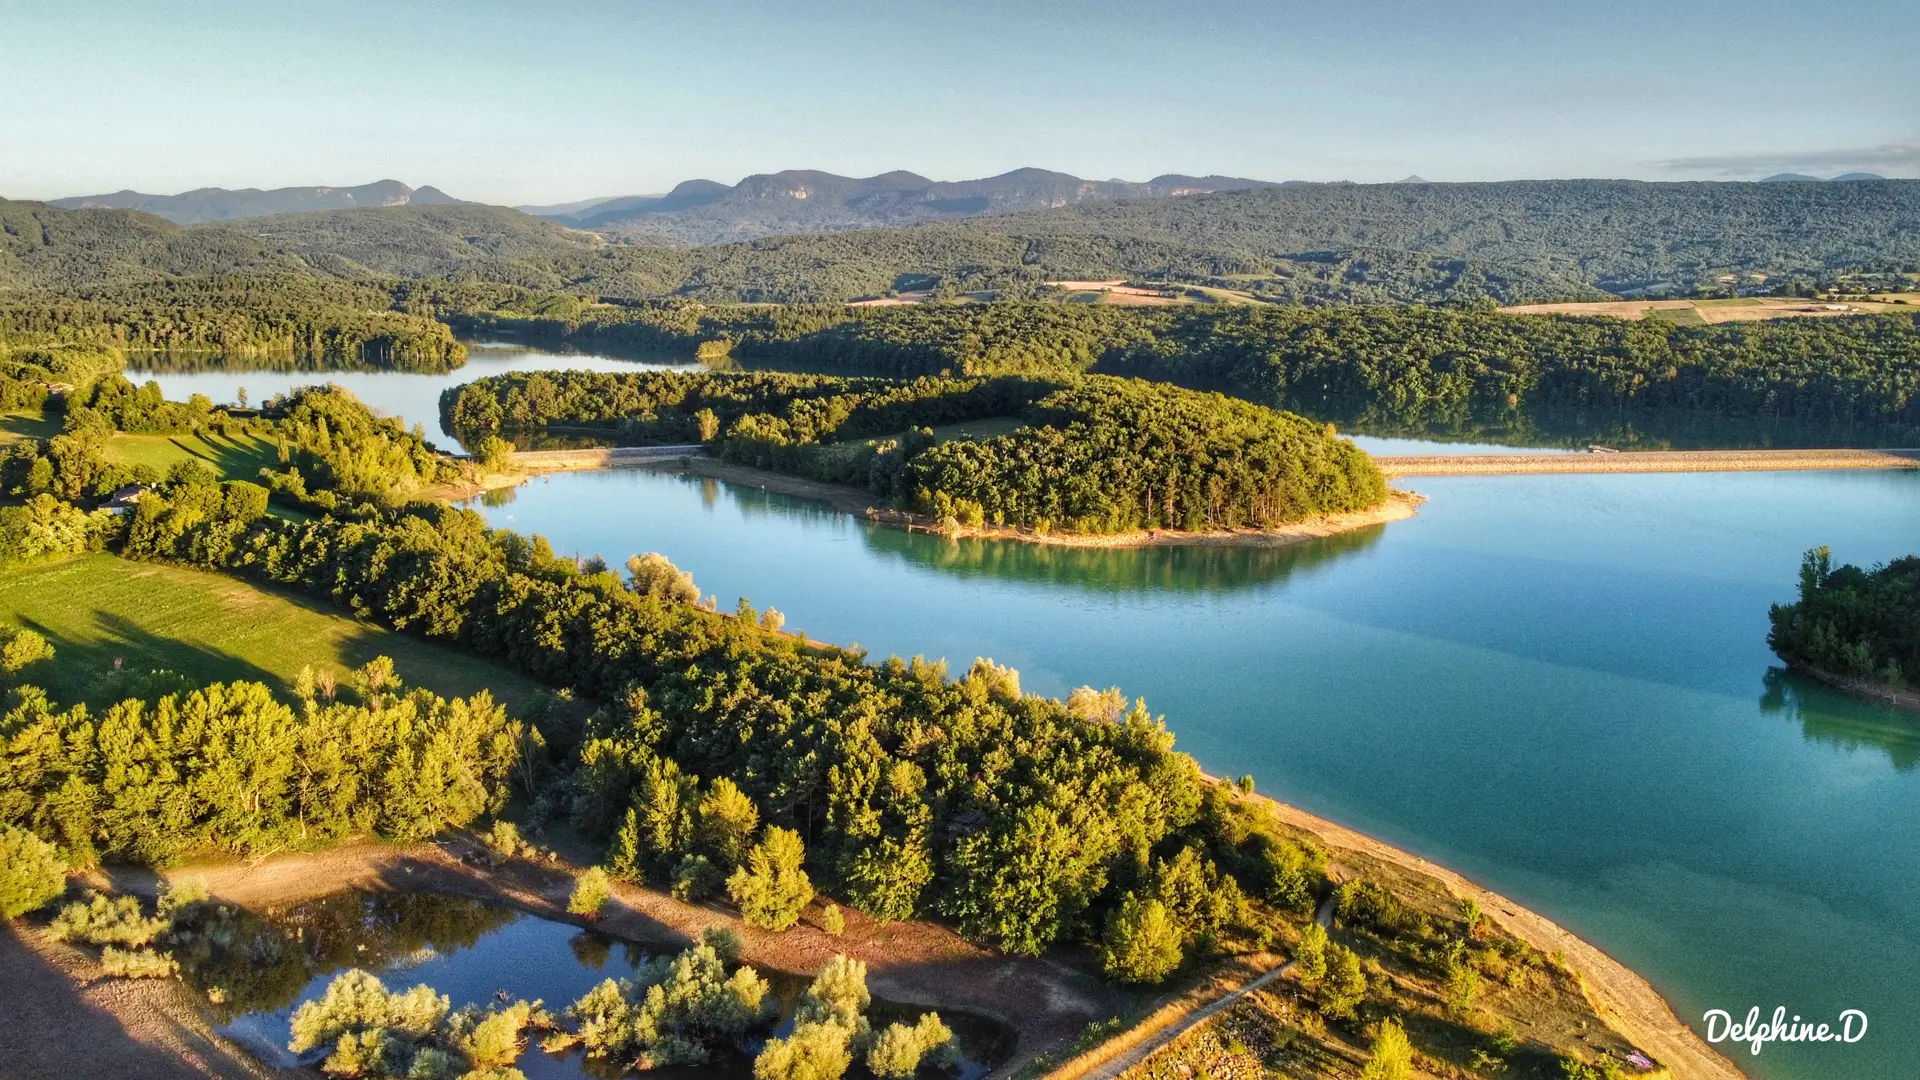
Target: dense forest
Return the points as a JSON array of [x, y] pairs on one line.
[[1861, 624], [318, 320], [1090, 455], [1404, 361]]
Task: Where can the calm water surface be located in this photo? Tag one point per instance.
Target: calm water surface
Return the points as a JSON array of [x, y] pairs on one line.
[[412, 397], [471, 951], [1558, 685]]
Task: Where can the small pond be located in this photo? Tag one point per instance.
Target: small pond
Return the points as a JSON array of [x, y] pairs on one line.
[[478, 953]]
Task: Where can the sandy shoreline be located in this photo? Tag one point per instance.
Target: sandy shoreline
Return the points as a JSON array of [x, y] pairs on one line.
[[1645, 461], [1619, 995]]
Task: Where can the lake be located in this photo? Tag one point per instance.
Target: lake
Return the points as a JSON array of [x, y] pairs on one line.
[[412, 397], [1557, 685]]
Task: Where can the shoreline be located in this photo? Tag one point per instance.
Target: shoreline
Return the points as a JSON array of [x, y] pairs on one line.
[[1878, 693], [1617, 993], [1644, 461], [1398, 506], [920, 963]]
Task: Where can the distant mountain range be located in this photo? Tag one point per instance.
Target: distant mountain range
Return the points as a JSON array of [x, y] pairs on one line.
[[1777, 178], [202, 205], [1301, 243], [804, 200]]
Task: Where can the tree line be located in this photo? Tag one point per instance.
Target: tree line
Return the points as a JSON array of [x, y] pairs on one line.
[[1406, 361], [230, 768]]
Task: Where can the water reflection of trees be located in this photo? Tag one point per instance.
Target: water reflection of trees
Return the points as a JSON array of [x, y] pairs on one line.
[[1195, 568], [258, 963], [1187, 568], [1833, 718], [194, 362]]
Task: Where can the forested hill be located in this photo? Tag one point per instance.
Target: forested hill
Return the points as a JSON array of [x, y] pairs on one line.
[[1453, 244], [807, 200], [1617, 234], [222, 204], [43, 246]]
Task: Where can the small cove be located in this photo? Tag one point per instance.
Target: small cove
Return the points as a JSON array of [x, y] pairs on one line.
[[472, 952]]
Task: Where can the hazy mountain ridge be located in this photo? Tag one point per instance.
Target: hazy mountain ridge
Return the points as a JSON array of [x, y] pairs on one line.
[[1317, 243], [807, 200], [204, 205]]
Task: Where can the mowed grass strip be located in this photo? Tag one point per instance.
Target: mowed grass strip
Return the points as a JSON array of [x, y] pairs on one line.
[[99, 609], [238, 458]]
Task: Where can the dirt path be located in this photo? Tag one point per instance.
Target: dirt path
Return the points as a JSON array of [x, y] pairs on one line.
[[1121, 1062], [1619, 996], [1646, 461]]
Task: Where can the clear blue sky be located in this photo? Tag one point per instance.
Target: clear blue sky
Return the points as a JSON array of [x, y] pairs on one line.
[[525, 102]]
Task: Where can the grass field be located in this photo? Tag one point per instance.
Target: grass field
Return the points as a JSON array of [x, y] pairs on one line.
[[27, 425], [234, 459], [239, 458], [99, 609]]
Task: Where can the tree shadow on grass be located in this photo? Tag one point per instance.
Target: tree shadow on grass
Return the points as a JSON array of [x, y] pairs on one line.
[[119, 660], [126, 660], [233, 458], [30, 425]]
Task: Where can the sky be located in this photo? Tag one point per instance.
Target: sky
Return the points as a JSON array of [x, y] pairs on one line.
[[550, 102]]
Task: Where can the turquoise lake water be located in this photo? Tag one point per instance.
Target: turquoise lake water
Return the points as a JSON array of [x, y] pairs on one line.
[[1557, 685]]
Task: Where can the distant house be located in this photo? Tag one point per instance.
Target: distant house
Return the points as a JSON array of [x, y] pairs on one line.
[[123, 500]]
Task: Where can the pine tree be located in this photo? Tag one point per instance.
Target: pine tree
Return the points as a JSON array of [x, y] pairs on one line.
[[1142, 943]]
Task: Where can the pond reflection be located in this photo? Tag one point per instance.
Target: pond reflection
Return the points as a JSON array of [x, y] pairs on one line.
[[256, 970]]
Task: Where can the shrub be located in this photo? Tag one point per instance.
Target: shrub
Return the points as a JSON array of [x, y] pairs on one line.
[[813, 1051], [673, 1012], [590, 893], [107, 920], [137, 964], [1345, 986], [832, 921], [653, 574], [1310, 956], [24, 647], [724, 942], [899, 1050], [32, 874], [1391, 1056], [771, 889]]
